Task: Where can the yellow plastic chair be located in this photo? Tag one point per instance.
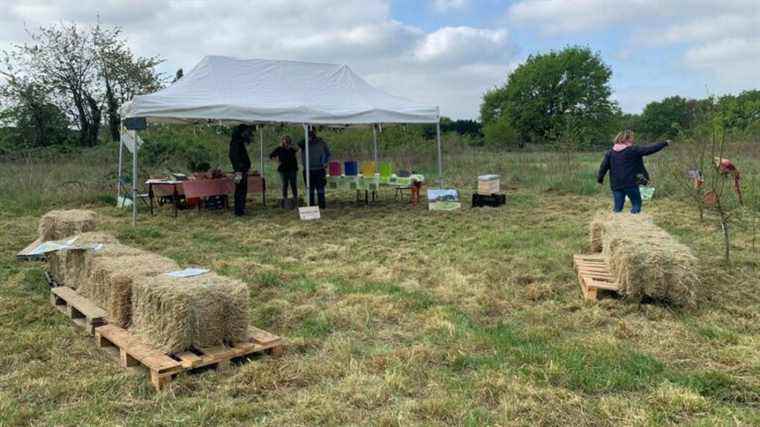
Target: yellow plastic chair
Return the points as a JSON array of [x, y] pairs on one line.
[[368, 169]]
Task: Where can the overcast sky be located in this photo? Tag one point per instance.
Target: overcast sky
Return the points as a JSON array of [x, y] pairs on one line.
[[443, 52]]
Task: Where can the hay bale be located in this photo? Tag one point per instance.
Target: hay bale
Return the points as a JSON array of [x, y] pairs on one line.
[[175, 314], [68, 267], [56, 225], [111, 274], [646, 260], [596, 232]]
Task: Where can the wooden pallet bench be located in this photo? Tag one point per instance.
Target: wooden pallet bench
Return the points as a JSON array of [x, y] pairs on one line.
[[79, 309], [594, 276], [164, 367]]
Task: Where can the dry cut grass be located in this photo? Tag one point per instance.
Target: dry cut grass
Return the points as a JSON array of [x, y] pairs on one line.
[[400, 316]]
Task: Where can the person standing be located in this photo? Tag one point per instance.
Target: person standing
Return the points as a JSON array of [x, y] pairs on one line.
[[625, 163], [319, 156], [241, 164], [288, 168]]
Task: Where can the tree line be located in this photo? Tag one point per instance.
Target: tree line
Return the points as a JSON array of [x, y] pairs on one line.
[[563, 98], [67, 83]]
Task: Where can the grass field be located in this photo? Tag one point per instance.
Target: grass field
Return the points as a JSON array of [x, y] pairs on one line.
[[396, 315]]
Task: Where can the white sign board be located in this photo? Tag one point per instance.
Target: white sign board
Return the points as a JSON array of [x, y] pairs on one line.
[[309, 213]]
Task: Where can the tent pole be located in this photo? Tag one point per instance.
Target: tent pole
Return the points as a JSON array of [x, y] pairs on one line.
[[440, 164], [306, 170], [374, 143], [261, 150], [134, 184], [121, 167]]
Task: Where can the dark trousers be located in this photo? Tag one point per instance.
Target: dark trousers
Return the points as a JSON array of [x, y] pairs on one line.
[[634, 196], [318, 180], [288, 178], [241, 191]]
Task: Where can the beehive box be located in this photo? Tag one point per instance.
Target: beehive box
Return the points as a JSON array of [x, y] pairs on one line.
[[488, 184]]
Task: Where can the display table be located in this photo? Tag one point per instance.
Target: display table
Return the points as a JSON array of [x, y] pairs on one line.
[[373, 183], [164, 188], [200, 189]]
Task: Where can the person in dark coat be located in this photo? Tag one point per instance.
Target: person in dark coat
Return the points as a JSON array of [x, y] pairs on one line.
[[625, 163], [288, 168], [319, 156], [241, 164]]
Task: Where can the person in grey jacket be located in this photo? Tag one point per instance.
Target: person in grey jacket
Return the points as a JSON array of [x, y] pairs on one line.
[[319, 156]]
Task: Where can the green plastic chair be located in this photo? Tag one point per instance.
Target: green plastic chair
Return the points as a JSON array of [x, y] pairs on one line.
[[386, 170]]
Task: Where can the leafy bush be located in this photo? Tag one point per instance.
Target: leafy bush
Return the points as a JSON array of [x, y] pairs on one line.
[[501, 134]]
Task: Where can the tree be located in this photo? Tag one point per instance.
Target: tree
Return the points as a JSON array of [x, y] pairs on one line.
[[501, 134], [33, 119], [741, 112], [560, 95], [86, 70], [663, 119], [123, 75]]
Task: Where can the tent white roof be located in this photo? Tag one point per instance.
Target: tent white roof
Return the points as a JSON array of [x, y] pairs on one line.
[[258, 90]]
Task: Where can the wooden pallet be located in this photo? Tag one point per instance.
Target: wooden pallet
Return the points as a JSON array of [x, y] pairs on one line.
[[594, 276], [164, 367], [79, 309]]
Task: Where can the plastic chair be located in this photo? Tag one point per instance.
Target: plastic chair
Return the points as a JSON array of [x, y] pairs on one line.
[[369, 169], [334, 168], [351, 168], [386, 170]]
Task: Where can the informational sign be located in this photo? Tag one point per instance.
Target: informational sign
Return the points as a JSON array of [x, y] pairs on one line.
[[188, 272], [309, 213], [443, 199], [131, 140]]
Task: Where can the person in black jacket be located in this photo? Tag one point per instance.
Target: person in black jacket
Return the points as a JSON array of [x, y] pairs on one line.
[[288, 168], [625, 162], [241, 164]]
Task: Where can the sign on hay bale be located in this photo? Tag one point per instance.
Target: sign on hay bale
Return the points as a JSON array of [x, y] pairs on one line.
[[646, 260], [57, 225], [176, 314]]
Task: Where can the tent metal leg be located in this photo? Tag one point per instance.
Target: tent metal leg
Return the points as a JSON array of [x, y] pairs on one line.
[[306, 169], [261, 150], [121, 166], [374, 144], [134, 185], [440, 162]]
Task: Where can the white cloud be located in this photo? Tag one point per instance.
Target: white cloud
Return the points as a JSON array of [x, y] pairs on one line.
[[446, 5], [719, 38], [464, 45], [359, 33]]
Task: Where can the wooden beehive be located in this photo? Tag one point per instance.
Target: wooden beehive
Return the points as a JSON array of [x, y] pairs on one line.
[[488, 184]]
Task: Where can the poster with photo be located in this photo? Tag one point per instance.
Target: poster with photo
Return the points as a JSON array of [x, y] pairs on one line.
[[443, 199]]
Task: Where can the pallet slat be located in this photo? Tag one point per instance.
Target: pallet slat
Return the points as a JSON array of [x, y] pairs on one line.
[[593, 275], [79, 309], [151, 358]]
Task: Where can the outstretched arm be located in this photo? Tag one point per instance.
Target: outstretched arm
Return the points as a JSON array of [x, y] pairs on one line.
[[651, 149], [603, 168]]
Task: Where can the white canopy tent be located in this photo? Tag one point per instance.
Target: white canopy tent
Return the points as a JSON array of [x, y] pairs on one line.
[[258, 91]]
